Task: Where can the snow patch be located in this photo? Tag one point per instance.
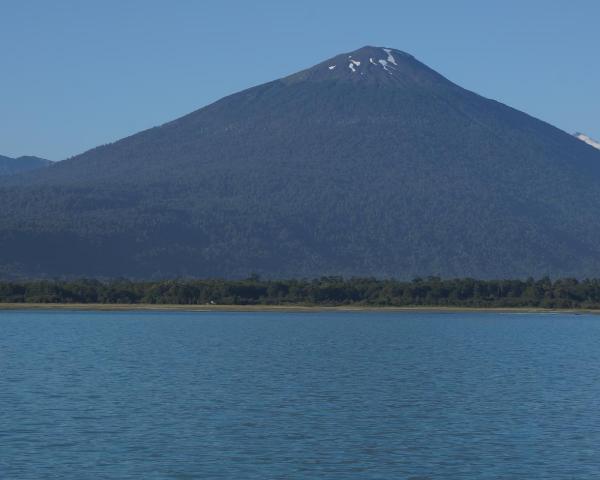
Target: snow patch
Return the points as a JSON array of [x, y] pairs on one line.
[[384, 64], [372, 61], [352, 67], [355, 62], [331, 67], [390, 57], [590, 141]]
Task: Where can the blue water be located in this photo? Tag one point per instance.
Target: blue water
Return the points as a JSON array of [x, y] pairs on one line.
[[89, 395]]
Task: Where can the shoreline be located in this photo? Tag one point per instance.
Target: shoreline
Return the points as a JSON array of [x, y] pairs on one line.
[[112, 307]]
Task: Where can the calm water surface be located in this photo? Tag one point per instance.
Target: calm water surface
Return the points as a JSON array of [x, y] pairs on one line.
[[299, 396]]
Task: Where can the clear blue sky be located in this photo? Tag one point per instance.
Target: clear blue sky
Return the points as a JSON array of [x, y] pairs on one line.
[[78, 73]]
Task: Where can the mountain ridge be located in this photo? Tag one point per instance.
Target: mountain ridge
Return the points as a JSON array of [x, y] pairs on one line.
[[586, 139], [25, 163]]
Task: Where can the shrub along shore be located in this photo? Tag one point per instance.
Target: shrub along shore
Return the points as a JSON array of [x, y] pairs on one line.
[[324, 292]]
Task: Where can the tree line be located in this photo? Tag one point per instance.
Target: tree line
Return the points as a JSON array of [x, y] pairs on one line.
[[325, 291]]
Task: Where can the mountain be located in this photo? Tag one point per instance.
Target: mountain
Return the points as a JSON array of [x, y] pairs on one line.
[[588, 140], [369, 163], [9, 166]]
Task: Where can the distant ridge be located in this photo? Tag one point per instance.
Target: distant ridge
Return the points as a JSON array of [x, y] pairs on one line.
[[588, 140], [10, 166], [367, 164]]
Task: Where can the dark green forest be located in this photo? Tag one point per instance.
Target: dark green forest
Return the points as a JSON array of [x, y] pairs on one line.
[[326, 291]]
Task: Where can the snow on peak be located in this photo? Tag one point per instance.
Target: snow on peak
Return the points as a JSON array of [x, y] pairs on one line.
[[390, 57], [588, 140], [353, 64], [369, 59], [384, 64]]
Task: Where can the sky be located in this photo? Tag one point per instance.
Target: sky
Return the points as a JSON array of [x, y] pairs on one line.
[[75, 74]]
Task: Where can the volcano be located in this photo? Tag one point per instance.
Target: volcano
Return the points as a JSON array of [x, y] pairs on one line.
[[367, 164]]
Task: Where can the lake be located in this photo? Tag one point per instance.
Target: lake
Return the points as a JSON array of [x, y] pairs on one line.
[[367, 395]]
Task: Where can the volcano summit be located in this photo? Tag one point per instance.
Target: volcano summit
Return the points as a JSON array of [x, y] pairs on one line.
[[369, 163]]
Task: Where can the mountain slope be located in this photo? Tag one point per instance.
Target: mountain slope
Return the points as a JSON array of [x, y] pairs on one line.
[[377, 166], [10, 166]]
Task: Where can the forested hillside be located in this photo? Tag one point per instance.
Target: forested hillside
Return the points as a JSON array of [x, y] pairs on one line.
[[378, 166]]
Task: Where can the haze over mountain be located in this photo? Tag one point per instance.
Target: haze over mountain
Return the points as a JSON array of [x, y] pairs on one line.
[[369, 163], [9, 166]]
